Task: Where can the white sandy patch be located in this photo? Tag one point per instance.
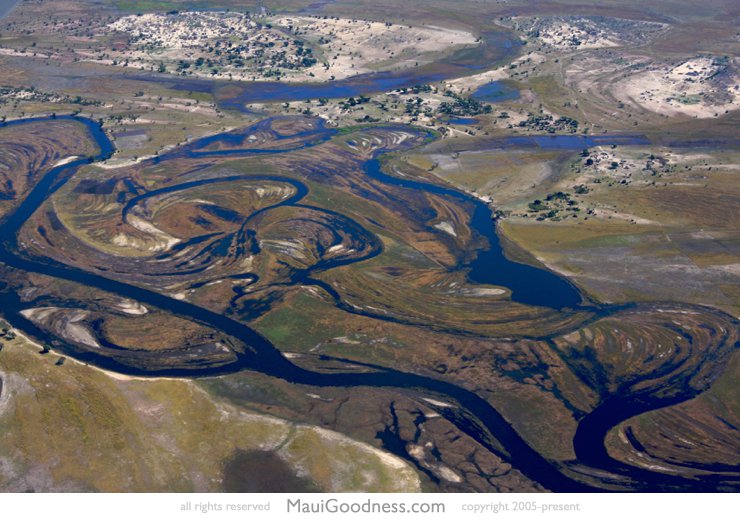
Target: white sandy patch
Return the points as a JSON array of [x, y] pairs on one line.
[[193, 37], [437, 403], [271, 191], [448, 474], [684, 89], [444, 472], [446, 227], [259, 49], [132, 307], [8, 388], [351, 46], [732, 268], [122, 163], [294, 249], [572, 32], [65, 321], [482, 292], [164, 241], [345, 340], [563, 35], [13, 386], [66, 161], [472, 83]]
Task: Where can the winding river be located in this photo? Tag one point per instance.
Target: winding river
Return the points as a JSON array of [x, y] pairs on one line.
[[473, 414]]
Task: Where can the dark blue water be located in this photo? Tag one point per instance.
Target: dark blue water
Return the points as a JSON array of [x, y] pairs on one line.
[[529, 285], [495, 92], [462, 120], [613, 411], [48, 184]]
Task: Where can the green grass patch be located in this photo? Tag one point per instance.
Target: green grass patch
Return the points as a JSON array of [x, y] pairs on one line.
[[300, 324]]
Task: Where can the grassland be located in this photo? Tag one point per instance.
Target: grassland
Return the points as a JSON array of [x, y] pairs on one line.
[[72, 427], [647, 231]]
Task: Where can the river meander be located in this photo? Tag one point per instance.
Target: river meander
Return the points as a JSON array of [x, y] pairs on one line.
[[489, 266]]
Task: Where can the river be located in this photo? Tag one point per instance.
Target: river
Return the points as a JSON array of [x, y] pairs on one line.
[[472, 410], [496, 47]]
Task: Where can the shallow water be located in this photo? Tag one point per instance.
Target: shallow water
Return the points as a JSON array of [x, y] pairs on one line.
[[462, 120], [6, 6], [495, 92]]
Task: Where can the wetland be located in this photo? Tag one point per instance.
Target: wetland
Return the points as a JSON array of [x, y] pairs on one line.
[[475, 263], [233, 346]]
